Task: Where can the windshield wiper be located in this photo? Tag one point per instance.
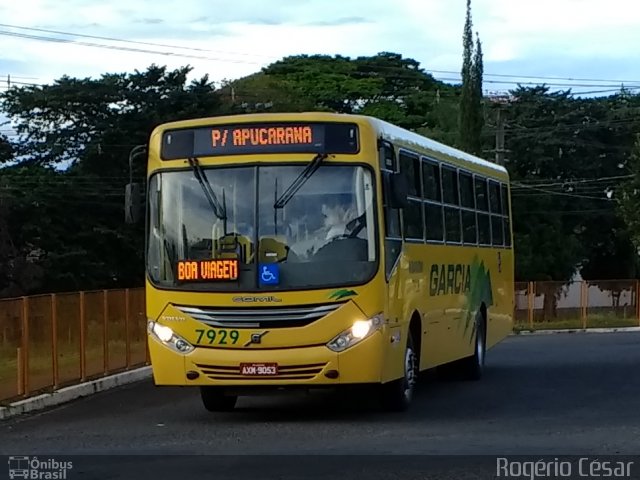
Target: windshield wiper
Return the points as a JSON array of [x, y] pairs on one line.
[[217, 208], [309, 170]]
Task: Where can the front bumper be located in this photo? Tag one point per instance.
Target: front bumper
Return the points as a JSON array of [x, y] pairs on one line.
[[297, 366]]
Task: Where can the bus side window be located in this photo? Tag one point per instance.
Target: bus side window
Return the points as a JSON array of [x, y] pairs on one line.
[[468, 204], [506, 211], [393, 234], [450, 192], [482, 206], [495, 204], [410, 166], [412, 214], [391, 216], [434, 217]]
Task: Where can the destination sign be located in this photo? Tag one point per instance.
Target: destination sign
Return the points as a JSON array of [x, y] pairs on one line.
[[241, 137], [260, 138], [207, 270]]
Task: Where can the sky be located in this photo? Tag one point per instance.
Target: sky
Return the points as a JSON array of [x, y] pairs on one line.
[[572, 40]]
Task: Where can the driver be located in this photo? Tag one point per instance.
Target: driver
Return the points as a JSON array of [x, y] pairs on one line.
[[336, 219]]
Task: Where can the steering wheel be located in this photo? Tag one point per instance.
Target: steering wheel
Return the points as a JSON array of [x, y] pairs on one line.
[[359, 224]]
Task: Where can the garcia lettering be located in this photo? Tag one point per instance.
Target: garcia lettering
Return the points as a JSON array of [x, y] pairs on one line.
[[449, 279]]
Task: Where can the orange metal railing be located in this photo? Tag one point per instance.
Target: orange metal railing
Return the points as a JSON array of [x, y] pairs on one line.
[[52, 341], [578, 304]]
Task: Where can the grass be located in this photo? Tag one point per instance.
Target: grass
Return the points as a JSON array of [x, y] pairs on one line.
[[41, 369], [595, 321]]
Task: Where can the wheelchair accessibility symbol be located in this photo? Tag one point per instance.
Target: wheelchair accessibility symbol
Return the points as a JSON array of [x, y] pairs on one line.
[[269, 274]]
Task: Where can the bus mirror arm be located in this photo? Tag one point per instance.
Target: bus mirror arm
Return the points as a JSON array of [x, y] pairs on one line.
[[398, 190], [132, 206]]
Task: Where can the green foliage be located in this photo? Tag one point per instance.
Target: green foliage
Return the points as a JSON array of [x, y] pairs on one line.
[[385, 85], [85, 121], [6, 150], [477, 114], [330, 83], [259, 93], [569, 154], [629, 198], [546, 243], [69, 222], [471, 116]]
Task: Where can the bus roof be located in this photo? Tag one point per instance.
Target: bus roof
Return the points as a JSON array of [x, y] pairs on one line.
[[385, 129], [393, 132]]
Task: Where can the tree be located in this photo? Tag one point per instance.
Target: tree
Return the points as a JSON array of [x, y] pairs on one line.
[[78, 121], [260, 92], [385, 85], [69, 221], [19, 269], [471, 117], [629, 197], [546, 240], [329, 83], [6, 150], [612, 258], [567, 156], [477, 113]]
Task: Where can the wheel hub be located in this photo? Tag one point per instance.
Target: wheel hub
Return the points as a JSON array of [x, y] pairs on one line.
[[480, 346], [409, 372]]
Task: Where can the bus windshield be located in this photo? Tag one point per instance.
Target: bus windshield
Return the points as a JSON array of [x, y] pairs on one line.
[[324, 236]]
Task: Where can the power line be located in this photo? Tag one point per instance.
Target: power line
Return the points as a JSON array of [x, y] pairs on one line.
[[541, 77], [595, 213], [581, 181], [561, 126], [512, 82], [163, 45], [551, 192], [114, 47], [165, 53], [137, 42], [21, 77], [23, 83], [253, 92]]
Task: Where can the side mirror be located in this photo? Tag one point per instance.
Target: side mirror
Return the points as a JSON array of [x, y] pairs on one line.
[[397, 190], [132, 204]]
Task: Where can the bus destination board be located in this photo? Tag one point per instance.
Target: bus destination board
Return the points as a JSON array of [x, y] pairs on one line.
[[207, 270], [260, 138]]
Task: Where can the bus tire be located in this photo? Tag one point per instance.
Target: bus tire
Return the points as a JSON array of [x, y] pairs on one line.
[[472, 367], [398, 394], [214, 400]]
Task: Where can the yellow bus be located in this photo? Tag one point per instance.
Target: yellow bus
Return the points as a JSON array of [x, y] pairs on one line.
[[312, 250]]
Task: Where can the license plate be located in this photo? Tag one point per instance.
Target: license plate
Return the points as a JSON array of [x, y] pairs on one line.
[[259, 369]]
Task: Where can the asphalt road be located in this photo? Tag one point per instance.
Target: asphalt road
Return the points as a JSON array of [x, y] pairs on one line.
[[554, 395]]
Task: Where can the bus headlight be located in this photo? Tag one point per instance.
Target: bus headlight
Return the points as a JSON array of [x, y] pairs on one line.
[[168, 337], [360, 330]]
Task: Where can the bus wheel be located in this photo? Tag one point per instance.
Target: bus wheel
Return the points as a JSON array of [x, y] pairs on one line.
[[398, 394], [473, 366], [215, 400]]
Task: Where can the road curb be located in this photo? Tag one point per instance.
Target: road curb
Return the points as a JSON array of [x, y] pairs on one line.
[[73, 392], [576, 330]]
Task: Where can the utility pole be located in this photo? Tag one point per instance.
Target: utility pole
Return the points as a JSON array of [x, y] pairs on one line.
[[499, 101], [500, 151]]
